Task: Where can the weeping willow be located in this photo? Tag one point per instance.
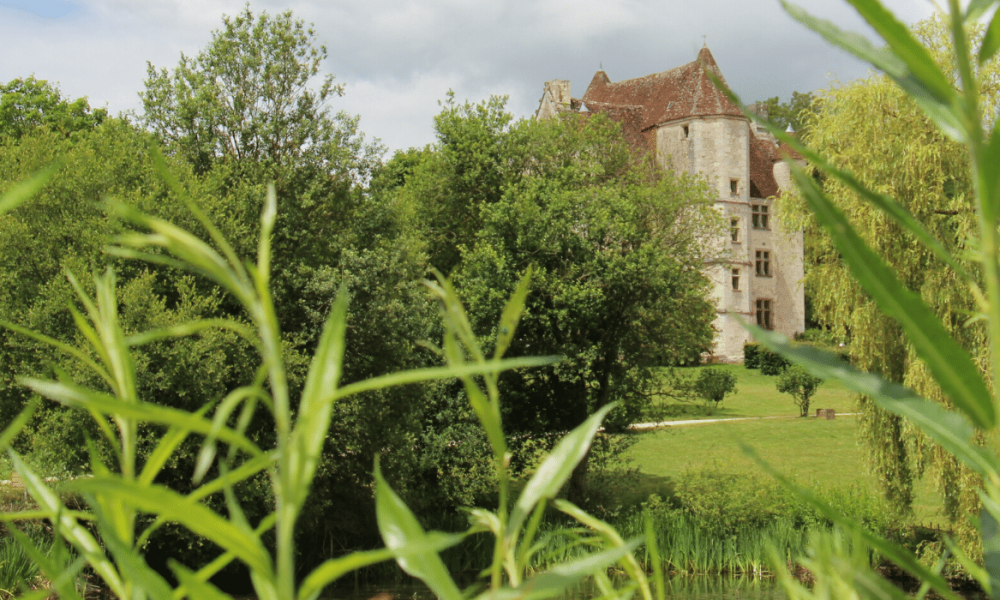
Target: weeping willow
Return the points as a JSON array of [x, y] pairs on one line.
[[871, 128]]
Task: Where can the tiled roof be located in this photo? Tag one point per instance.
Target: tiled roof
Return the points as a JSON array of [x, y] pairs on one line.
[[685, 91], [762, 157]]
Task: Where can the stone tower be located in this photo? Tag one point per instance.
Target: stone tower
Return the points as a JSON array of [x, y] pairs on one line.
[[690, 126]]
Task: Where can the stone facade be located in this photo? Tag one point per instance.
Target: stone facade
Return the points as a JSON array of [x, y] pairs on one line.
[[690, 126]]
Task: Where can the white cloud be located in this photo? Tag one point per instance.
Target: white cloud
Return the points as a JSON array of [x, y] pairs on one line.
[[398, 57]]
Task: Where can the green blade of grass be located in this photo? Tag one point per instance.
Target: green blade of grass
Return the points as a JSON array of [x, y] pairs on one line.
[[50, 569], [191, 328], [137, 574], [333, 569], [68, 528], [318, 396], [990, 532], [79, 397], [916, 57], [19, 193], [556, 469], [903, 559], [511, 315], [991, 41], [449, 372], [945, 427], [949, 363], [555, 581], [192, 515], [196, 588], [164, 448], [400, 531], [62, 347], [923, 85], [976, 9]]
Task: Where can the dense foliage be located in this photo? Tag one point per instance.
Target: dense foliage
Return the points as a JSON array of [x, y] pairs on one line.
[[614, 245], [873, 129]]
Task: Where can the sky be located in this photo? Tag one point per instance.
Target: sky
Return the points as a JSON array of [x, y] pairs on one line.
[[399, 58]]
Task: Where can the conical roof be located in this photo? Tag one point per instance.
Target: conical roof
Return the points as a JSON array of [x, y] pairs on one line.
[[682, 92]]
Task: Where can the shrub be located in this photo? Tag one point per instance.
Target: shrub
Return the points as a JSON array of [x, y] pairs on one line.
[[713, 384], [801, 385], [772, 363], [751, 356]]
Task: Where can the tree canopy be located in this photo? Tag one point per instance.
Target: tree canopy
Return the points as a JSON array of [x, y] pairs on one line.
[[29, 103], [255, 95], [792, 112], [614, 245]]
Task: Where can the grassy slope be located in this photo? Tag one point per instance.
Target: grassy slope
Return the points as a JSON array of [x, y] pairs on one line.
[[814, 451]]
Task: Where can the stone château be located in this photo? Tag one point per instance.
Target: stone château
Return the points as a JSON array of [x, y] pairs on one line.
[[690, 126]]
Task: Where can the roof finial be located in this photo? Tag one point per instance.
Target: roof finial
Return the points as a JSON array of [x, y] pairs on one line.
[[704, 43], [601, 63]]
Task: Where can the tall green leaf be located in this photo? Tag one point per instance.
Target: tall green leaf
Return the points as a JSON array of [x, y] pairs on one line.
[[911, 71], [950, 364], [511, 315], [400, 532], [20, 193], [557, 467], [172, 506], [554, 581], [316, 404], [903, 558], [951, 430]]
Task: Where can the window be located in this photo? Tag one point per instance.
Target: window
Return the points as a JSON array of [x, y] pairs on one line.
[[734, 228], [759, 216], [687, 131], [763, 263], [764, 314], [734, 187], [736, 280]]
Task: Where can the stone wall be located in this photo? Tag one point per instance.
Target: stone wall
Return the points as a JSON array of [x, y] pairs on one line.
[[719, 149]]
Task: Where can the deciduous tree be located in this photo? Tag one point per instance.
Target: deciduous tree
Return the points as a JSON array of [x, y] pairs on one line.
[[29, 103], [615, 245], [874, 130]]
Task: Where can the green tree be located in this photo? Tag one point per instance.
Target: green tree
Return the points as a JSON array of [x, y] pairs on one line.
[[792, 112], [714, 384], [614, 244], [874, 130], [249, 97], [800, 385], [29, 103]]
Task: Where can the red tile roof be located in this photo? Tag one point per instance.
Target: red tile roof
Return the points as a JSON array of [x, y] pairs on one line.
[[685, 91], [762, 182]]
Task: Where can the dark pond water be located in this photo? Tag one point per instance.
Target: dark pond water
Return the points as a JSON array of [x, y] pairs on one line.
[[681, 588]]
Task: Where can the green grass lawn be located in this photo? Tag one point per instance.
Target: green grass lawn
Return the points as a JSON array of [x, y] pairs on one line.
[[756, 396], [813, 451]]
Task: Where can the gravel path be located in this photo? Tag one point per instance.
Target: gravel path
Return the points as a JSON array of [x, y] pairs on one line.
[[698, 421]]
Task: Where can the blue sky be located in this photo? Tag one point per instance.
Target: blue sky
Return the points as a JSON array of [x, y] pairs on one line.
[[48, 9], [398, 58]]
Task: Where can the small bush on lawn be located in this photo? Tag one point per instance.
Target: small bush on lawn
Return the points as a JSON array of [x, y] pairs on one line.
[[772, 363], [751, 356], [713, 385]]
